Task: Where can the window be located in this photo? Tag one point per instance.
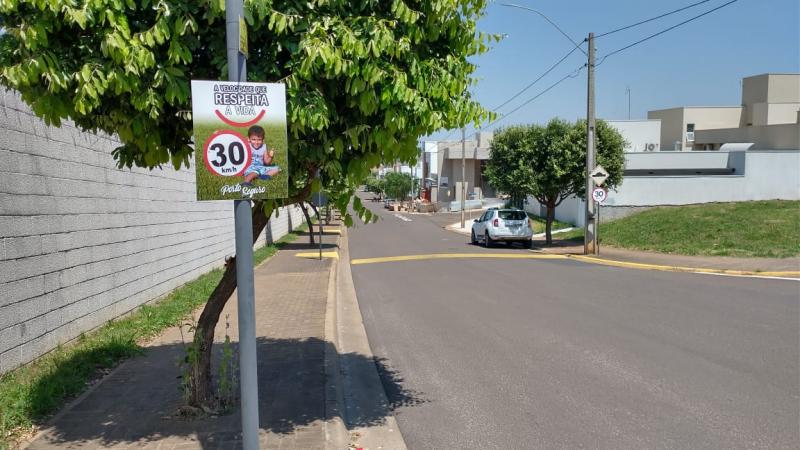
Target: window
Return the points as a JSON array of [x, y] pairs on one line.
[[512, 215], [690, 128]]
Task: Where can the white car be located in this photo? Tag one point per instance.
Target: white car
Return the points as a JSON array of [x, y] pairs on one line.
[[502, 225]]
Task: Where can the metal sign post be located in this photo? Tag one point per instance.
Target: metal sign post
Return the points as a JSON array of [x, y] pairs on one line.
[[237, 71], [599, 195]]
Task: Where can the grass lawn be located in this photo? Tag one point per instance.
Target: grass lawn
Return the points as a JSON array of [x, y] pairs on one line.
[[32, 392], [746, 229], [539, 224]]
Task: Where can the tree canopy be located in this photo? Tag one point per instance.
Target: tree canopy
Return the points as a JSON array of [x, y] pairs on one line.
[[549, 162], [365, 78], [397, 185]]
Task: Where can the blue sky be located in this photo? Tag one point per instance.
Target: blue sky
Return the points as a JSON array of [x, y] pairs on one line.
[[699, 63]]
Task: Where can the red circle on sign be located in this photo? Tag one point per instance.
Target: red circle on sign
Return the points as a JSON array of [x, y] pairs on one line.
[[248, 151], [240, 124]]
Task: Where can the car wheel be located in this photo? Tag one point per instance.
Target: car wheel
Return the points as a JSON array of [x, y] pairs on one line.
[[473, 238], [487, 241], [528, 244]]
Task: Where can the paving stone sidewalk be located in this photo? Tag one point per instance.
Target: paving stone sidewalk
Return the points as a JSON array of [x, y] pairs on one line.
[[135, 406]]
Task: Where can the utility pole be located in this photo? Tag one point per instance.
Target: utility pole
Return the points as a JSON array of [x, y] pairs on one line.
[[590, 230], [628, 91], [463, 174], [243, 224]]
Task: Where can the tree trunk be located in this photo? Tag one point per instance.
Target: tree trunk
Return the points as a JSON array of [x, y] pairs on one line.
[[308, 221], [316, 212], [201, 389], [551, 214]]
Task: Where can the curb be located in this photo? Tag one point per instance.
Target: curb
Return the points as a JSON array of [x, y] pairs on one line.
[[362, 390], [336, 436], [789, 275]]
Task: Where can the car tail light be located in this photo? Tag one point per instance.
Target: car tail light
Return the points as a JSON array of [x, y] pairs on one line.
[[496, 223]]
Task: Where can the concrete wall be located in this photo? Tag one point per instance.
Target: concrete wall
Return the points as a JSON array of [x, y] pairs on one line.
[[761, 175], [84, 242]]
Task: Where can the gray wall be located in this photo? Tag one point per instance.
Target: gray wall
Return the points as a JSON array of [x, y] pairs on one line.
[[760, 175], [84, 242]]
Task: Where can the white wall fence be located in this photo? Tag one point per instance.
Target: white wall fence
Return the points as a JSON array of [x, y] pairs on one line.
[[757, 175], [82, 242]]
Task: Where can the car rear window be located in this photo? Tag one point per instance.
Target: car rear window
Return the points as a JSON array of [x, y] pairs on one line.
[[512, 215]]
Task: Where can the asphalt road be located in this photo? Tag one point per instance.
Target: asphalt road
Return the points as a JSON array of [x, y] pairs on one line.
[[493, 353]]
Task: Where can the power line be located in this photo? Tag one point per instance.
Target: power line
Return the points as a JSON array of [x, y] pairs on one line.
[[540, 77], [664, 31], [652, 19], [571, 75]]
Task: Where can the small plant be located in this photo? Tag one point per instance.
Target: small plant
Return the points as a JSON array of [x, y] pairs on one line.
[[228, 382], [188, 361]]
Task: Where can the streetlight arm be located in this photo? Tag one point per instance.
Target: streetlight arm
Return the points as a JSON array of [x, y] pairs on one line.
[[512, 5]]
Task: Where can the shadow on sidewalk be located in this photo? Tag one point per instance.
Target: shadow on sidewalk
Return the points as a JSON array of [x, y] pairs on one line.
[[138, 404]]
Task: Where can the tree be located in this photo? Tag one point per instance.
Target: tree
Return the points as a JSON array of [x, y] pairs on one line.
[[509, 169], [549, 162], [375, 185], [397, 185], [364, 79]]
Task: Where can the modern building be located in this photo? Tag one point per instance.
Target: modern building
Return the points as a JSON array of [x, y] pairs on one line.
[[768, 117], [445, 157]]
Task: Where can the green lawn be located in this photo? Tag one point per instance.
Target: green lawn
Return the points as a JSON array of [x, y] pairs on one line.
[[539, 224], [744, 229], [30, 393]]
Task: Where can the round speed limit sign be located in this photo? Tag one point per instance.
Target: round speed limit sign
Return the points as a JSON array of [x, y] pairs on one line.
[[227, 153], [599, 194]]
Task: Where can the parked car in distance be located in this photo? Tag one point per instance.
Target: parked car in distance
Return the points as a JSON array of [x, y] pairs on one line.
[[506, 225]]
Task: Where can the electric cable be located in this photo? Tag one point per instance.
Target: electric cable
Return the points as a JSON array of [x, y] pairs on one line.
[[574, 74], [652, 19], [538, 79], [664, 31]]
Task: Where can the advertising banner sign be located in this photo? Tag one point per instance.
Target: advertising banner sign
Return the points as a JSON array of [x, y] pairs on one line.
[[241, 145]]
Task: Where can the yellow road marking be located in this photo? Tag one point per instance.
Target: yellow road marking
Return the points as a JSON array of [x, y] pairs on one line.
[[609, 262], [454, 256], [582, 258], [314, 255]]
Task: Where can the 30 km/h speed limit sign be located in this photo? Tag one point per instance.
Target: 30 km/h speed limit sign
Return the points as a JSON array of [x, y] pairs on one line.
[[599, 195], [227, 153]]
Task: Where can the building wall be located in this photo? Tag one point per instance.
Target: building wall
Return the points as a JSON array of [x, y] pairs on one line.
[[640, 135], [674, 121], [784, 88], [755, 89], [776, 137], [782, 113], [672, 126], [770, 99], [762, 175], [84, 242]]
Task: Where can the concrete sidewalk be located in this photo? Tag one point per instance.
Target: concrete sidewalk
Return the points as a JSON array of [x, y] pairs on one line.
[[137, 405]]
